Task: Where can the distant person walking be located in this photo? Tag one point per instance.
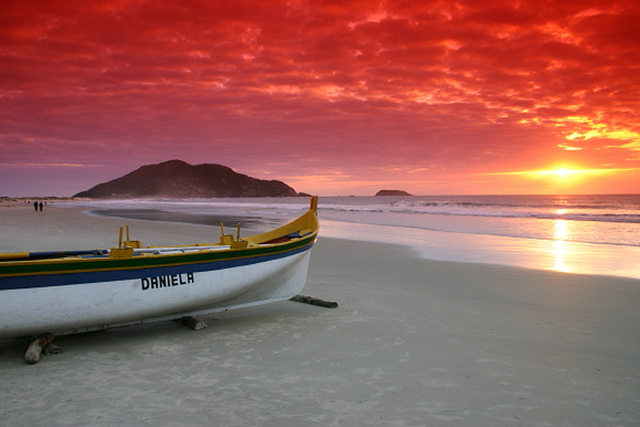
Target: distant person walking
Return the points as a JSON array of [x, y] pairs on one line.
[[40, 206], [35, 206]]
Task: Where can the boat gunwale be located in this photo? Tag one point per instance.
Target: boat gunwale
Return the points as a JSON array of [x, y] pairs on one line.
[[104, 263], [77, 265]]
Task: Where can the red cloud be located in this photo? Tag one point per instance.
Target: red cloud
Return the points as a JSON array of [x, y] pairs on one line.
[[469, 85]]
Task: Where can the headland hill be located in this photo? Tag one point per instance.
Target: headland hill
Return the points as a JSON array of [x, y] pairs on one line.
[[175, 179]]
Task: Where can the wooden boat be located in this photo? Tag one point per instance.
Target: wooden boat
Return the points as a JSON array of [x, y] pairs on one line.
[[78, 291]]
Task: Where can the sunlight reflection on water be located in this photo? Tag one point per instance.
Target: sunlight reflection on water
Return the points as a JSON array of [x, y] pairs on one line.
[[556, 255], [561, 233]]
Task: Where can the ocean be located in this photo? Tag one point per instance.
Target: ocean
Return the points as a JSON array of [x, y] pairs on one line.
[[588, 234]]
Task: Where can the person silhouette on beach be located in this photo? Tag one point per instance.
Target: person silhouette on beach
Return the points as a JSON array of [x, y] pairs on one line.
[[35, 206], [40, 206]]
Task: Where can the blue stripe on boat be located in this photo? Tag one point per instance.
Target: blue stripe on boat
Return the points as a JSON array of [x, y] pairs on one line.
[[61, 279]]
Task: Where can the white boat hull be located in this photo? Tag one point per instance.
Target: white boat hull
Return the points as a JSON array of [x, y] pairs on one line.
[[84, 307], [76, 291]]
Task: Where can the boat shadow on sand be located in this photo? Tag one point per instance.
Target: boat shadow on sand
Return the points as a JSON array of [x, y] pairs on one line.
[[149, 338]]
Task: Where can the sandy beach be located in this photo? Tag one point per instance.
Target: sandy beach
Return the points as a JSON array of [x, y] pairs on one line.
[[413, 342]]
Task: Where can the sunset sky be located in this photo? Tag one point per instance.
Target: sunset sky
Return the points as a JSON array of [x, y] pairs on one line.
[[332, 97]]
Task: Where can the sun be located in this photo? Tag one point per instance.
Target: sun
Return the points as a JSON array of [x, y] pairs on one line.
[[560, 171], [559, 177], [566, 175], [570, 178], [563, 172]]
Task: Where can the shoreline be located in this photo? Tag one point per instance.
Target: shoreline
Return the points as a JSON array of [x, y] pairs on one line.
[[565, 256], [413, 342], [532, 254]]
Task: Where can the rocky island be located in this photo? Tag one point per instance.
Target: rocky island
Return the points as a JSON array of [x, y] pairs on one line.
[[392, 193], [178, 179]]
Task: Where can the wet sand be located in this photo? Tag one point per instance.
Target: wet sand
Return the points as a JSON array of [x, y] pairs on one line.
[[413, 342]]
